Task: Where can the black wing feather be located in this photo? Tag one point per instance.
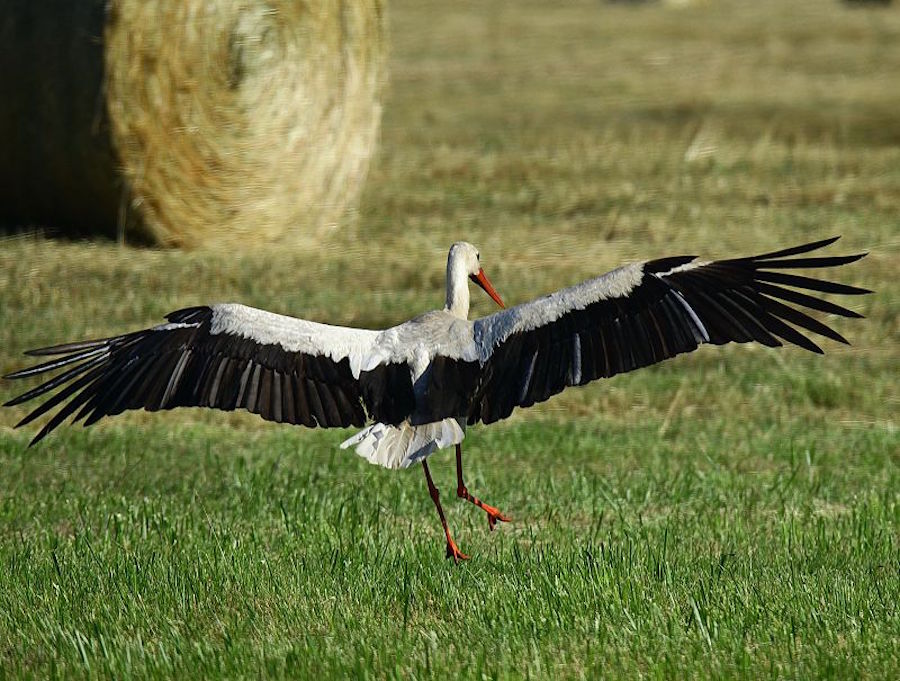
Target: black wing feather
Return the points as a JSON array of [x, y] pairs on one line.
[[183, 364], [674, 307]]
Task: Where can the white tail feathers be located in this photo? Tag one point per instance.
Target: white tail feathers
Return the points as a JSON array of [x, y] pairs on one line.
[[404, 444]]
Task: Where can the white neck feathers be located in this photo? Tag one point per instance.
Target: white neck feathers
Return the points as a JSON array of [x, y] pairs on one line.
[[457, 286]]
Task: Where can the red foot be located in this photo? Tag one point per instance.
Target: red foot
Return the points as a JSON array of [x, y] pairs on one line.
[[493, 514], [454, 552]]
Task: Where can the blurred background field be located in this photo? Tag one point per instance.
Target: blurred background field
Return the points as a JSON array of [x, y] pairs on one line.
[[730, 513]]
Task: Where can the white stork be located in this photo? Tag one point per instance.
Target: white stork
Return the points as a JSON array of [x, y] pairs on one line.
[[422, 382]]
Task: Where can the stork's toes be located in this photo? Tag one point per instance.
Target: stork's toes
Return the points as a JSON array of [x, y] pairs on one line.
[[494, 515], [454, 552]]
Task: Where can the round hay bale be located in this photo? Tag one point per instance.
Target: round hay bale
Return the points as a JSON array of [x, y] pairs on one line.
[[230, 120]]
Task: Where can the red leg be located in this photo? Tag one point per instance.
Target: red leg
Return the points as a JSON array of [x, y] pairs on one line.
[[493, 514], [452, 549]]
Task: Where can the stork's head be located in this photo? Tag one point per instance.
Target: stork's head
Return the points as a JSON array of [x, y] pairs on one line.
[[464, 256]]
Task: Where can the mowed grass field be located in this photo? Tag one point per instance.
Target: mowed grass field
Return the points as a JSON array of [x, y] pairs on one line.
[[734, 513]]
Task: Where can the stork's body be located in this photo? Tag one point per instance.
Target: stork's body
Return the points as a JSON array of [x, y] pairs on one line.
[[418, 342], [422, 382]]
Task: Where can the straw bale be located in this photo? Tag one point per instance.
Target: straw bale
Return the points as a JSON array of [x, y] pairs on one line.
[[231, 120]]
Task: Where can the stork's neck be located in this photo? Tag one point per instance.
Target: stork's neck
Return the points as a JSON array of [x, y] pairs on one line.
[[457, 288]]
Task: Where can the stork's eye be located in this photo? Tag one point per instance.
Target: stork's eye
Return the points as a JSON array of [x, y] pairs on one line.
[[477, 256]]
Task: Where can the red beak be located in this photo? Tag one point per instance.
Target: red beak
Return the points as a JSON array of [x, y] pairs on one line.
[[485, 283]]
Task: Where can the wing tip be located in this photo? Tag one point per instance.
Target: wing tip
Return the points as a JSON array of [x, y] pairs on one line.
[[794, 250], [37, 438], [66, 348], [21, 373]]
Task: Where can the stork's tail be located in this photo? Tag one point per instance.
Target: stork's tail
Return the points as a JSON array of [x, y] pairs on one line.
[[404, 444]]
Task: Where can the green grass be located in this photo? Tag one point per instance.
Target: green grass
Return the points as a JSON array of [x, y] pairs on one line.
[[732, 513], [196, 551]]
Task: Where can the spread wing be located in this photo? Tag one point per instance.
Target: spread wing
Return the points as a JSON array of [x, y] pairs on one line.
[[643, 313], [226, 357]]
